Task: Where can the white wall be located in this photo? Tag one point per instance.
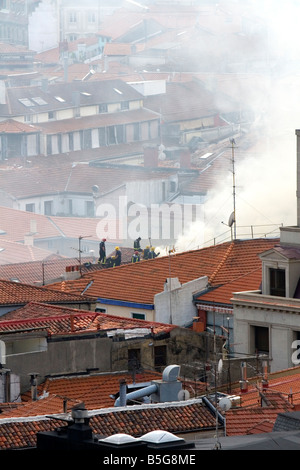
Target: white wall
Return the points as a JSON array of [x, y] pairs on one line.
[[280, 315], [176, 305]]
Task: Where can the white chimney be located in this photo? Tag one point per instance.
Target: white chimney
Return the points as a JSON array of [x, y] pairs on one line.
[[244, 381]]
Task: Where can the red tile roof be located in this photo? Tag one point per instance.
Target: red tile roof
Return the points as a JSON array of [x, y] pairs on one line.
[[58, 320], [190, 416], [222, 263], [16, 224], [10, 126], [11, 252], [223, 294], [16, 293], [94, 390], [51, 268]]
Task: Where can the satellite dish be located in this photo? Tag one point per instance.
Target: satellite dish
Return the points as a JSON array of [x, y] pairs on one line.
[[231, 220], [95, 188], [183, 395], [225, 404], [220, 365], [162, 156]]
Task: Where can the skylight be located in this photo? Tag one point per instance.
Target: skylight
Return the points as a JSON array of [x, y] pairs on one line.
[[2, 232], [119, 439], [26, 102], [159, 437], [118, 91], [38, 100], [85, 93], [58, 98]]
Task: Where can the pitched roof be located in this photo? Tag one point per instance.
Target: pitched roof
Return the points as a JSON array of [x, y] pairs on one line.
[[50, 268], [223, 294], [183, 101], [17, 224], [15, 293], [10, 126], [181, 417], [41, 100], [285, 383], [140, 282], [58, 320], [78, 178], [10, 252], [94, 389]]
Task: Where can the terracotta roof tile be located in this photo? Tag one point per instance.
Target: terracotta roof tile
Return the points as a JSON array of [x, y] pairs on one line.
[[223, 294], [141, 281], [10, 252], [63, 320], [178, 418], [15, 293], [17, 224]]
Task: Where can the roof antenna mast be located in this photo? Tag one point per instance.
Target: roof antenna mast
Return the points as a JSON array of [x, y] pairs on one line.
[[232, 141]]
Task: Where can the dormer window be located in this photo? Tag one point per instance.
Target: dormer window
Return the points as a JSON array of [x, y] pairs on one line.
[[277, 282]]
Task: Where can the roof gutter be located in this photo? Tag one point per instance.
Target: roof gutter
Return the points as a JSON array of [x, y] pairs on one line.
[[123, 303]]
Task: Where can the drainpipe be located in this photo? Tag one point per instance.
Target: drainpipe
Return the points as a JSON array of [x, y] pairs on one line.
[[213, 409]]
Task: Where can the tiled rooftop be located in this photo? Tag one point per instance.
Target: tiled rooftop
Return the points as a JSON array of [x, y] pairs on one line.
[[15, 293], [222, 264], [57, 320], [51, 268], [10, 252], [189, 416]]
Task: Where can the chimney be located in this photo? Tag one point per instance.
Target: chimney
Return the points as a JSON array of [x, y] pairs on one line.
[[244, 381], [185, 157], [151, 156], [265, 382], [123, 399], [33, 226], [33, 384]]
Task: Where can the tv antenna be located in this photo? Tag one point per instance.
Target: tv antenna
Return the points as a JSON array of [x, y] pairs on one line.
[[233, 215], [80, 250]]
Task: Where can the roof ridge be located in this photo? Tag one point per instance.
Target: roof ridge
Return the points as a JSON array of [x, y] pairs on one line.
[[221, 264]]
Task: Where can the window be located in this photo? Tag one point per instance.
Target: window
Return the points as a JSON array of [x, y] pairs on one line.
[[48, 206], [30, 207], [91, 17], [102, 136], [73, 17], [70, 206], [134, 359], [277, 282], [136, 131], [111, 134], [87, 139], [49, 145], [138, 316], [160, 356], [28, 118], [124, 104], [102, 108], [51, 115], [71, 141], [260, 337], [89, 208], [100, 310]]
